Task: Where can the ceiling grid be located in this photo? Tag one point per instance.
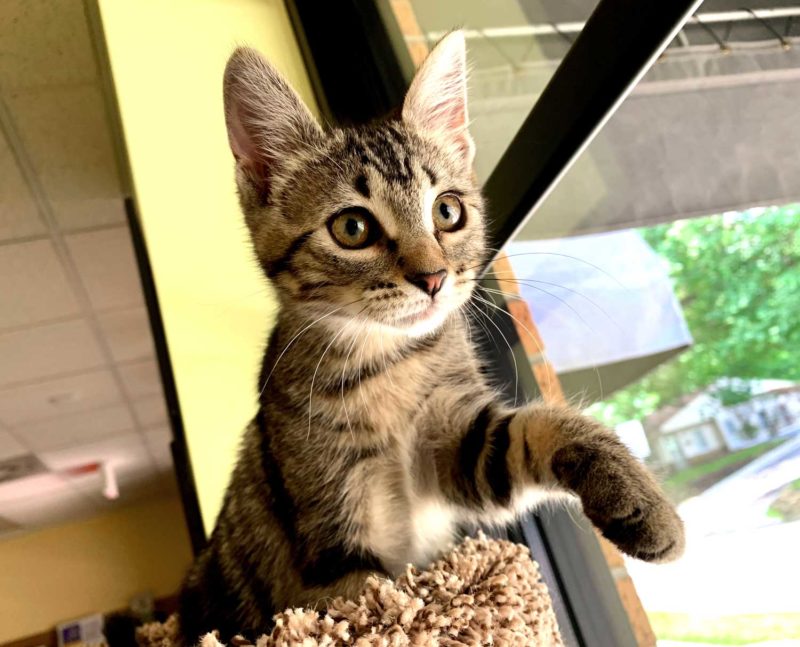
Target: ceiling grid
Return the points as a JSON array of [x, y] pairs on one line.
[[79, 384]]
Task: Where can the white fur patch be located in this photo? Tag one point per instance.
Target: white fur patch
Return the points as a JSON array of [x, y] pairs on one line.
[[427, 209], [433, 523]]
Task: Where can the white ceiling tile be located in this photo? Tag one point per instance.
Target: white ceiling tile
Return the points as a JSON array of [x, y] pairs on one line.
[[19, 216], [80, 213], [107, 267], [33, 286], [151, 412], [141, 379], [47, 350], [128, 334], [10, 446], [158, 436], [76, 428], [59, 396], [54, 507], [39, 37], [30, 486], [65, 132]]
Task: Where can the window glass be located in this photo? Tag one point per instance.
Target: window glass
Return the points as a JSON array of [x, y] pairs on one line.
[[514, 49], [663, 274]]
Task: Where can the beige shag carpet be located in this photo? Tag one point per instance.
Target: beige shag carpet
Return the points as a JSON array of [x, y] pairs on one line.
[[484, 592]]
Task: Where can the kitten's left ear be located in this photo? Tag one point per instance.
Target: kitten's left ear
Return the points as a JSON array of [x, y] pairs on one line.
[[436, 102], [267, 121]]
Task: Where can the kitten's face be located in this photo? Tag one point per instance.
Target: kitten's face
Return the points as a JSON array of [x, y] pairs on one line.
[[382, 224]]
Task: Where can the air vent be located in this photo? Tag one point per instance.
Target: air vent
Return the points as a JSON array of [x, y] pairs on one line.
[[19, 467]]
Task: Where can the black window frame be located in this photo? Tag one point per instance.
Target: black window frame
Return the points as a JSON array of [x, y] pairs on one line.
[[360, 71]]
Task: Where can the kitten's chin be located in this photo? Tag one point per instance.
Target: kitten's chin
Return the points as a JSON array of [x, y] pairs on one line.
[[422, 323]]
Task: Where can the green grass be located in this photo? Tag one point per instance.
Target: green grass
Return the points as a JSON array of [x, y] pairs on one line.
[[774, 513], [725, 630], [690, 474]]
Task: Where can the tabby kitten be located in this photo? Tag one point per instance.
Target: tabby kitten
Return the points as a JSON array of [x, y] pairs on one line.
[[377, 433]]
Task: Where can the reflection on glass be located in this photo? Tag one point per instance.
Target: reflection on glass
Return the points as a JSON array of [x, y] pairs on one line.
[[514, 49]]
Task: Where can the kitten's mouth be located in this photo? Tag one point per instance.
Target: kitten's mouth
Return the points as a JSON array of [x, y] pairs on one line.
[[422, 315]]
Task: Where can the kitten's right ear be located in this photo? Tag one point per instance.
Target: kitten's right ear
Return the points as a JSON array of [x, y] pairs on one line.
[[267, 122], [436, 102]]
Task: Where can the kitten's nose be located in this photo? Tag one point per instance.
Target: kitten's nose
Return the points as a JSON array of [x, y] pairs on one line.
[[428, 282]]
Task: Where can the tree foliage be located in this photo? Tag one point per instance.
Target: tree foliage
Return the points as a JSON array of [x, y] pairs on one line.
[[737, 276]]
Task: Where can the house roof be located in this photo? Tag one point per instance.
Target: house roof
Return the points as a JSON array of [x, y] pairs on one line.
[[759, 388]]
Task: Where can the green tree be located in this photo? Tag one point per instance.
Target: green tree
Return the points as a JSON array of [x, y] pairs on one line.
[[737, 277]]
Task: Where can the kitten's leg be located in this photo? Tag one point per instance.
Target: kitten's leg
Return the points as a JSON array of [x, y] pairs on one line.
[[349, 586], [498, 455]]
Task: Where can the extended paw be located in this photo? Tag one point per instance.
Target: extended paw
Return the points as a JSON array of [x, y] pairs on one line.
[[620, 498]]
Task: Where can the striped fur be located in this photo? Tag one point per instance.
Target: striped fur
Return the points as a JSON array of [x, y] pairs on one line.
[[376, 432]]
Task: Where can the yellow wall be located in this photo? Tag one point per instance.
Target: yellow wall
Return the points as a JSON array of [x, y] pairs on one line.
[[167, 60], [67, 571]]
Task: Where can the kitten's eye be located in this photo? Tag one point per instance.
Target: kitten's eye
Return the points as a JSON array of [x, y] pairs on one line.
[[448, 214], [353, 229]]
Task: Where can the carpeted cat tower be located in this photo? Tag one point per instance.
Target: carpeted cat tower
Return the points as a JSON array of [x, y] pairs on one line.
[[484, 592]]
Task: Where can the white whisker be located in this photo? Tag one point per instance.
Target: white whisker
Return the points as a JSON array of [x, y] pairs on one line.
[[316, 369], [510, 350], [344, 370], [283, 352], [533, 338]]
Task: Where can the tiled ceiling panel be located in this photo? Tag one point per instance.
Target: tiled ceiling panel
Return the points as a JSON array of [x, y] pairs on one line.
[[107, 267], [128, 334], [48, 350], [141, 379], [58, 396], [80, 392], [44, 294], [36, 36], [72, 157], [76, 428], [151, 412], [19, 217]]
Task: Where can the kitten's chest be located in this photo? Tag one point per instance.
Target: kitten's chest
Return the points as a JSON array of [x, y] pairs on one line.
[[395, 400], [410, 523], [409, 530]]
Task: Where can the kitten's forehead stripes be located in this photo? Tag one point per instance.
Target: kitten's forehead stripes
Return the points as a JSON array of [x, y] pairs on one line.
[[385, 149], [431, 175], [362, 186]]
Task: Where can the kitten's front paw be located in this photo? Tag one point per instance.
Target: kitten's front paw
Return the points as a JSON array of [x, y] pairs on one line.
[[621, 498]]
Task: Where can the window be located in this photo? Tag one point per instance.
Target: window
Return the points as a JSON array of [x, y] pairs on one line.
[[617, 264]]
